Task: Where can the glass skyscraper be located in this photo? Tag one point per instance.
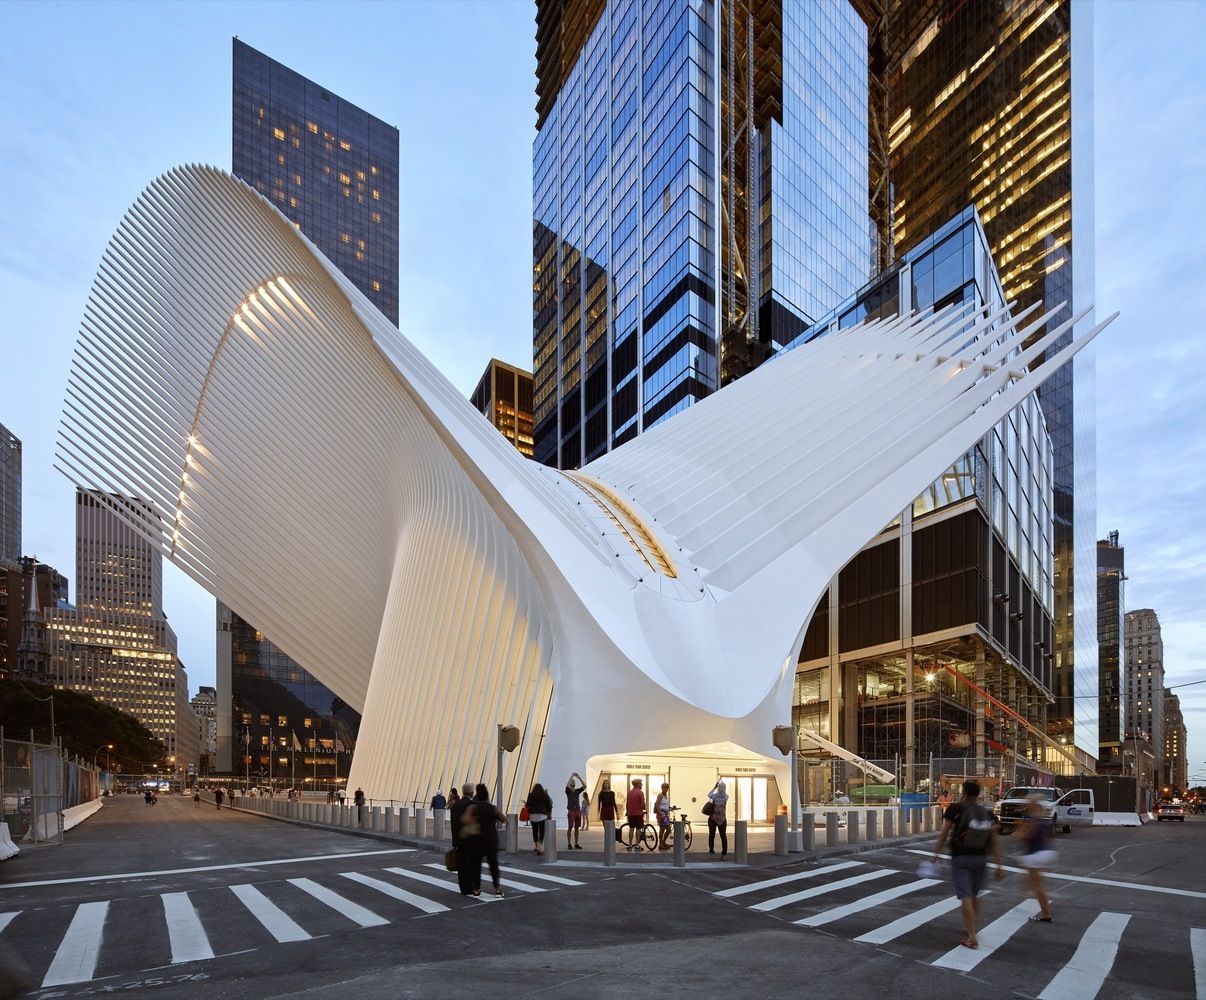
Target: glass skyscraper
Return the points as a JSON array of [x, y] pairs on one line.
[[10, 496], [700, 179], [332, 169], [329, 166], [991, 104]]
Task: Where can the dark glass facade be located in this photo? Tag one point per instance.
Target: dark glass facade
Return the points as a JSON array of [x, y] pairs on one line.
[[329, 166], [332, 169], [10, 496], [1111, 611], [990, 104], [287, 726], [699, 183], [504, 396]]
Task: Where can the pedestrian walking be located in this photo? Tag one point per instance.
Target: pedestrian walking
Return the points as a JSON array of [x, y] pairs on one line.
[[464, 858], [480, 826], [573, 811], [196, 797], [453, 798], [718, 819], [969, 829], [438, 801], [1037, 853], [661, 809], [585, 811], [539, 807], [635, 808], [219, 795]]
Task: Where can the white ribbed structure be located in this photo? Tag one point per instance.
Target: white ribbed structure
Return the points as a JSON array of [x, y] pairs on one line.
[[310, 468]]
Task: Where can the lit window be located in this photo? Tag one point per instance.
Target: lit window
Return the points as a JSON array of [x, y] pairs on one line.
[[376, 195], [344, 179], [280, 159], [307, 723], [279, 133], [376, 285], [312, 127], [376, 216], [359, 175], [345, 237], [346, 146], [297, 142], [360, 255], [374, 170], [292, 202]]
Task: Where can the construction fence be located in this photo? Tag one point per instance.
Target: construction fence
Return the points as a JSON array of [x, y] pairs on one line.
[[935, 781], [39, 782]]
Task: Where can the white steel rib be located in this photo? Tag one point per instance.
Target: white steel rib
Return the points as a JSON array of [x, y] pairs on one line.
[[308, 466]]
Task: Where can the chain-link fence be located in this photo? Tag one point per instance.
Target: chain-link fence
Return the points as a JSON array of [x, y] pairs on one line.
[[38, 782]]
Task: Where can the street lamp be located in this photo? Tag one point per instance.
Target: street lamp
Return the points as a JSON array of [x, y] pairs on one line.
[[508, 740], [103, 746]]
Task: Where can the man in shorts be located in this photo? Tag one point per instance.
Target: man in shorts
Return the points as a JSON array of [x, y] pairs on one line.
[[635, 808], [971, 832], [573, 811]]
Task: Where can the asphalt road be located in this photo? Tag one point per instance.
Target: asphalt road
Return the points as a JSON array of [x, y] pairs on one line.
[[177, 901]]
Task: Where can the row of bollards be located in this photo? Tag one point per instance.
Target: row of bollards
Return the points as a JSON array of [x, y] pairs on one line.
[[862, 826]]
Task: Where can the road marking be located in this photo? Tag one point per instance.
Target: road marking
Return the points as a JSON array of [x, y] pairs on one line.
[[770, 883], [909, 922], [353, 911], [1197, 945], [840, 912], [540, 875], [185, 933], [1084, 975], [75, 961], [7, 918], [779, 901], [510, 883], [418, 902], [206, 868], [991, 938], [275, 920], [1092, 881]]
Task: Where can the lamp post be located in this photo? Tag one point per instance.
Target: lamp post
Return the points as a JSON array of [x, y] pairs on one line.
[[787, 741], [508, 740], [104, 746]]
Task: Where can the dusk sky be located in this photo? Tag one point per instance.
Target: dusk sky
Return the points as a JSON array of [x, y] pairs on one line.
[[98, 99]]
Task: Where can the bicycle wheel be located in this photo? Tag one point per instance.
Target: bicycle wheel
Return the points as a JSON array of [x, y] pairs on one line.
[[687, 838], [649, 836]]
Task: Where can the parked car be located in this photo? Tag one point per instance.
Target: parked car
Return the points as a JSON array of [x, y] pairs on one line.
[[1062, 809], [1170, 810]]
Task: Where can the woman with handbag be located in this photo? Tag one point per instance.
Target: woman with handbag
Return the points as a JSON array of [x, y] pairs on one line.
[[608, 810], [1037, 853], [716, 809], [539, 806]]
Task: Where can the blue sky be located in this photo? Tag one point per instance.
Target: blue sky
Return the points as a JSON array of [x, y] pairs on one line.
[[100, 98]]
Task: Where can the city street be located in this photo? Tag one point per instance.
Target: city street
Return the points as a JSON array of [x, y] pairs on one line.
[[179, 901]]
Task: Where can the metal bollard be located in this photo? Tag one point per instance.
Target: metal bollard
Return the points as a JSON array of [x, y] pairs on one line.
[[550, 839], [872, 824], [741, 842], [889, 822], [406, 817], [808, 832], [780, 836], [927, 819], [375, 818], [388, 819], [937, 810], [512, 833], [852, 823], [437, 819], [609, 843], [831, 829], [680, 847], [915, 820]]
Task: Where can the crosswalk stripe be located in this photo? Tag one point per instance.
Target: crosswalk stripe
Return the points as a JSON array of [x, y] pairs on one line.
[[418, 902], [1197, 946], [275, 920], [910, 921], [819, 890], [440, 883], [540, 875], [75, 961], [991, 938], [770, 883], [6, 918], [361, 915], [510, 883], [1084, 975], [866, 903], [185, 933]]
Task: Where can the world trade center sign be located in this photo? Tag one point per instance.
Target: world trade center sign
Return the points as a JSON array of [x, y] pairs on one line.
[[306, 464]]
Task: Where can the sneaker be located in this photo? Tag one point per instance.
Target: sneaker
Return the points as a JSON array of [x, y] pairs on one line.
[[498, 890]]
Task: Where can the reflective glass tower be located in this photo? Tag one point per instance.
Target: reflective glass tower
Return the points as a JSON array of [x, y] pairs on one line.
[[700, 177], [332, 169], [991, 104], [10, 496]]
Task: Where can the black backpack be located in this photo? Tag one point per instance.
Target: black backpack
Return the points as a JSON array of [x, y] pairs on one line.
[[973, 832]]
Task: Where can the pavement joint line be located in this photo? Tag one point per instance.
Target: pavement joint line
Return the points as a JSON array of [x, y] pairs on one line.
[[1113, 883], [202, 868]]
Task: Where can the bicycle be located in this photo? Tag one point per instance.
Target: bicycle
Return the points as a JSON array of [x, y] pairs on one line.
[[686, 826], [635, 839]]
